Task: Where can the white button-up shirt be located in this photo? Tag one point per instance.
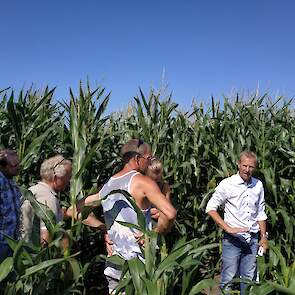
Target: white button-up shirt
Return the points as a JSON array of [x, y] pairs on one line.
[[243, 202]]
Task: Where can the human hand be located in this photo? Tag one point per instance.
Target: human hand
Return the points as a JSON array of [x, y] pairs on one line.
[[109, 244], [139, 238], [155, 213], [236, 230], [70, 211], [264, 243]]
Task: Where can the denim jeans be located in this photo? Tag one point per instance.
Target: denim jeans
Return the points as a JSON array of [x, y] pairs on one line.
[[238, 259]]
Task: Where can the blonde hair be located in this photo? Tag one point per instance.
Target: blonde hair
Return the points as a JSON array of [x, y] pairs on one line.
[[155, 167], [54, 166]]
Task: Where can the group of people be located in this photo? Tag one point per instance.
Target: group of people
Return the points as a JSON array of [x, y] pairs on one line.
[[242, 196]]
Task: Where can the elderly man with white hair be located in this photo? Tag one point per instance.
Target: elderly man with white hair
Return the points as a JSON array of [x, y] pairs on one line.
[[55, 176]]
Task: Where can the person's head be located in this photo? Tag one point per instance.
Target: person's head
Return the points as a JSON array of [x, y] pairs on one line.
[[57, 172], [247, 164], [155, 170], [9, 163], [137, 153]]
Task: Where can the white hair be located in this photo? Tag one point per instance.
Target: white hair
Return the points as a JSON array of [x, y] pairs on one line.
[[247, 154], [54, 166]]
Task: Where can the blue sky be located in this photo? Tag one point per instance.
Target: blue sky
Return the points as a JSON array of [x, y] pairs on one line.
[[201, 48]]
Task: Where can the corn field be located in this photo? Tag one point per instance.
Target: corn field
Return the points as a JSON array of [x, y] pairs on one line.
[[199, 148]]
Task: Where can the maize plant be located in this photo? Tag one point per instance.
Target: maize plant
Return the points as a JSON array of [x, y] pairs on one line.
[[198, 147], [86, 133]]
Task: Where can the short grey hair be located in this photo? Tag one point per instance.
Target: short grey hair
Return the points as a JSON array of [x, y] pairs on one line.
[[54, 166], [248, 154]]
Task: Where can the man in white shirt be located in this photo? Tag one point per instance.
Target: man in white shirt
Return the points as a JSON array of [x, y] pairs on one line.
[[244, 217]]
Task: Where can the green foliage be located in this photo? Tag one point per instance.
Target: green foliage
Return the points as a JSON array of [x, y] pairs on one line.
[[40, 269], [198, 149], [86, 131], [30, 125], [161, 272]]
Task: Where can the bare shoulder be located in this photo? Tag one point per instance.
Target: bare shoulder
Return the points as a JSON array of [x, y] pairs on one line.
[[142, 186], [142, 180]]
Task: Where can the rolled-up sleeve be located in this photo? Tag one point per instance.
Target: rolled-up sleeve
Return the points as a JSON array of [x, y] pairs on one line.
[[261, 215], [217, 199]]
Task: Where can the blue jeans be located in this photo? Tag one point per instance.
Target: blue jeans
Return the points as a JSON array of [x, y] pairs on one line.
[[238, 259]]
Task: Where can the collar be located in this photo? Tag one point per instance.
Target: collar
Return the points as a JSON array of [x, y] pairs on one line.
[[48, 187], [239, 180], [4, 176]]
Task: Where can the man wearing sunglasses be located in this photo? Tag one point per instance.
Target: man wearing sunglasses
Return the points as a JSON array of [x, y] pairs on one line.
[[136, 156], [9, 200], [55, 175]]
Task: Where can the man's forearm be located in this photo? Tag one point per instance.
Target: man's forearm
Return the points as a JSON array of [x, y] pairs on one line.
[[92, 221], [262, 227], [218, 220], [263, 236]]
